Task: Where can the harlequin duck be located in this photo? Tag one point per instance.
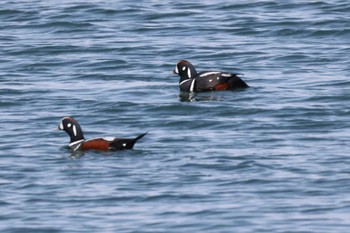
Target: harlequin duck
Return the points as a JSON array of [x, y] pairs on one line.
[[192, 81], [78, 142]]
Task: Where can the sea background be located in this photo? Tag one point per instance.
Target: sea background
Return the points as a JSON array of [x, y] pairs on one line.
[[272, 158]]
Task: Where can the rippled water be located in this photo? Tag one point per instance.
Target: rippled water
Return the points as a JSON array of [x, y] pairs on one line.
[[272, 158]]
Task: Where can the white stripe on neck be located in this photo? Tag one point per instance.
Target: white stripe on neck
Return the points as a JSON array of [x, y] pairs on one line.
[[76, 142], [185, 81], [192, 85], [75, 145]]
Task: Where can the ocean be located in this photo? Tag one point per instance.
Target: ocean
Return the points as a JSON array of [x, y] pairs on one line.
[[270, 158]]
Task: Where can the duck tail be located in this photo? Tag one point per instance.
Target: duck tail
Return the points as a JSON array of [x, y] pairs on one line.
[[140, 136], [237, 82]]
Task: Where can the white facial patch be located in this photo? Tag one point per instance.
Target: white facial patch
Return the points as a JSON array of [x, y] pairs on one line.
[[183, 68], [61, 126], [74, 130], [69, 125], [124, 144], [176, 70], [189, 73]]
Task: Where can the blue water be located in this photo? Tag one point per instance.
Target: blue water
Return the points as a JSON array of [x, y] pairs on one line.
[[272, 158]]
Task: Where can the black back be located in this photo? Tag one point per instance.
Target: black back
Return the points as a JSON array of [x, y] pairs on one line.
[[206, 80], [125, 143]]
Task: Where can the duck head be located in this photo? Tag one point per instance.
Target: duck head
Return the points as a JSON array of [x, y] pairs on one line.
[[72, 128], [185, 70]]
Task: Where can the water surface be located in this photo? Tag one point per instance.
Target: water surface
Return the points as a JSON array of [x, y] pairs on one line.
[[272, 158]]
